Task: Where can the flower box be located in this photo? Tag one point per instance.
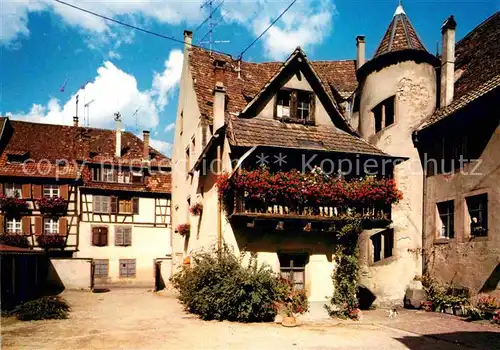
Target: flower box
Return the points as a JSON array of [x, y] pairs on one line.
[[14, 240], [52, 205], [51, 241], [13, 205], [196, 209], [183, 229]]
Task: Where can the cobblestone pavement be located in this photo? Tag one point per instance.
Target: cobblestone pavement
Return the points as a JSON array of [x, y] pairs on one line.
[[138, 319]]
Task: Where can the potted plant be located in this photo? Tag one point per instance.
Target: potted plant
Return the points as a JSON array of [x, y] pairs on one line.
[[51, 241], [291, 304], [196, 209], [14, 240], [14, 205], [183, 229], [52, 205]]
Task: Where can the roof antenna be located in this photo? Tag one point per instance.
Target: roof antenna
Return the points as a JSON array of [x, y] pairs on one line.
[[86, 118], [136, 120], [211, 24]]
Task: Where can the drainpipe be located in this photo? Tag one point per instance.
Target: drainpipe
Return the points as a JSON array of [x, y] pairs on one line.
[[219, 204], [416, 141]]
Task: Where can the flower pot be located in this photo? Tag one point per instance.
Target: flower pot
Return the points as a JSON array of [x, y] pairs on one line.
[[289, 321]]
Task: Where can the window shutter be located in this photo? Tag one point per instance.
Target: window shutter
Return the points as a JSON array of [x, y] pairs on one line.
[[37, 191], [64, 191], [127, 239], [2, 223], [135, 205], [38, 225], [114, 204], [63, 226], [104, 236], [26, 225], [26, 190], [2, 188], [293, 105], [312, 107], [95, 236], [118, 236]]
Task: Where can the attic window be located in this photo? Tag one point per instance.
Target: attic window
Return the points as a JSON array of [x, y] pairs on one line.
[[295, 106], [384, 113], [17, 157], [219, 64], [61, 162]]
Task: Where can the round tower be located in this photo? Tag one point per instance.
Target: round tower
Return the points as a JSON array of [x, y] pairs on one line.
[[397, 92]]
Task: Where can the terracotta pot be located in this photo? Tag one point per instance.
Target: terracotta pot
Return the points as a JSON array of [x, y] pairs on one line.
[[289, 321]]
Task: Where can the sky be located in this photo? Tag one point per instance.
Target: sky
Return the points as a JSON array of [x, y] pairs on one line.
[[50, 53]]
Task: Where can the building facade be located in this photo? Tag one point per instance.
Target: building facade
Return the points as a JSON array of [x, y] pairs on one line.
[[111, 191], [235, 115]]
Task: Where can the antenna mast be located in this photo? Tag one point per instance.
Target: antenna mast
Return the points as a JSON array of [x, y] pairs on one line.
[[86, 118], [211, 24]]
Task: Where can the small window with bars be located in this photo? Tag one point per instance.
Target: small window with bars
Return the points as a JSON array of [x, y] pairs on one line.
[[123, 236], [293, 267], [101, 268], [127, 268], [446, 212]]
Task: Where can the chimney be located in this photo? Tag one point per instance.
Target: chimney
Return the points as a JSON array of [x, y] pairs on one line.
[[145, 140], [75, 121], [448, 62], [118, 143], [360, 45], [219, 105], [188, 39]]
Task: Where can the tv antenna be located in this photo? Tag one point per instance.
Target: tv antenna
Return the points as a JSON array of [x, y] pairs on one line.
[[209, 5], [136, 120], [86, 116]]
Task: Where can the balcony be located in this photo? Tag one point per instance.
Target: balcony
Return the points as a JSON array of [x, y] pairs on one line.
[[313, 201]]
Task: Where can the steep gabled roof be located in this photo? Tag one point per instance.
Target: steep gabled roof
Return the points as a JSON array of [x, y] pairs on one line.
[[400, 35], [477, 68], [339, 78]]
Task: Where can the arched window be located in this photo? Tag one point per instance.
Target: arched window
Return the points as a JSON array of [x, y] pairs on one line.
[[384, 113]]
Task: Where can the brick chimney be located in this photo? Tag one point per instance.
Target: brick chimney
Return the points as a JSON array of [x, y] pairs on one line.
[[219, 105], [75, 121], [145, 140], [360, 52], [448, 62], [118, 132]]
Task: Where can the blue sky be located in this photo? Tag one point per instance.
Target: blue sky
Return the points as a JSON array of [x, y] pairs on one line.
[[44, 44]]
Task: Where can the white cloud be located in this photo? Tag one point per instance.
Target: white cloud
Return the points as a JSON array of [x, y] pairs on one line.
[[162, 146], [169, 78], [114, 55], [112, 90], [305, 24], [169, 127], [14, 14]]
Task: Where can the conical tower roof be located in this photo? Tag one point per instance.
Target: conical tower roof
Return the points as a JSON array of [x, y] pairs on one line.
[[400, 35]]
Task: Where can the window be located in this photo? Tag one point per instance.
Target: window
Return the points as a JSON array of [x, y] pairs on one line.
[[193, 146], [204, 135], [13, 190], [13, 225], [123, 236], [382, 245], [107, 175], [181, 124], [294, 105], [292, 268], [446, 214], [384, 113], [100, 236], [101, 204], [51, 225], [96, 174], [101, 268], [50, 191], [137, 176], [188, 161], [124, 176], [125, 205], [478, 212], [127, 268]]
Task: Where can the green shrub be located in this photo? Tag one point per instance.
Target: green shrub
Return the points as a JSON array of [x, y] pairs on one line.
[[14, 240], [45, 308], [219, 287]]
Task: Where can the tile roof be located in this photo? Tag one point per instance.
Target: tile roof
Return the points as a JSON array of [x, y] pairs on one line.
[[269, 132], [477, 67], [340, 76], [45, 144], [158, 183], [400, 35]]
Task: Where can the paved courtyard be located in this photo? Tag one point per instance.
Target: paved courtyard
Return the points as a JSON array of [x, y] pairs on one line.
[[138, 319]]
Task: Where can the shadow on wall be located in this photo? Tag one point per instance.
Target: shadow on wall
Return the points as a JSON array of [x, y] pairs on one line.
[[476, 340], [493, 282], [53, 283]]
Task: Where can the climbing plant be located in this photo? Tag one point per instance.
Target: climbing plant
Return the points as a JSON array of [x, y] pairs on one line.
[[344, 303]]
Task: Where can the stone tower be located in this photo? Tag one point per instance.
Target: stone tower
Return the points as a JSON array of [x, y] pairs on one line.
[[397, 92]]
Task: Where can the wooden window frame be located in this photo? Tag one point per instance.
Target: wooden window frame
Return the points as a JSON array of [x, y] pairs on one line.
[[292, 268], [52, 190], [15, 222], [121, 202], [99, 236], [99, 199], [129, 270], [386, 249], [446, 215], [12, 188], [53, 222], [294, 106], [482, 224], [121, 233]]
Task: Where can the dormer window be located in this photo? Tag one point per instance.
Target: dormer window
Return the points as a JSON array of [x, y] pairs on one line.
[[17, 157], [384, 113], [295, 106]]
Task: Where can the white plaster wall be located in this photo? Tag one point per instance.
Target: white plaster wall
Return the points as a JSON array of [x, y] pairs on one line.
[[75, 274]]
